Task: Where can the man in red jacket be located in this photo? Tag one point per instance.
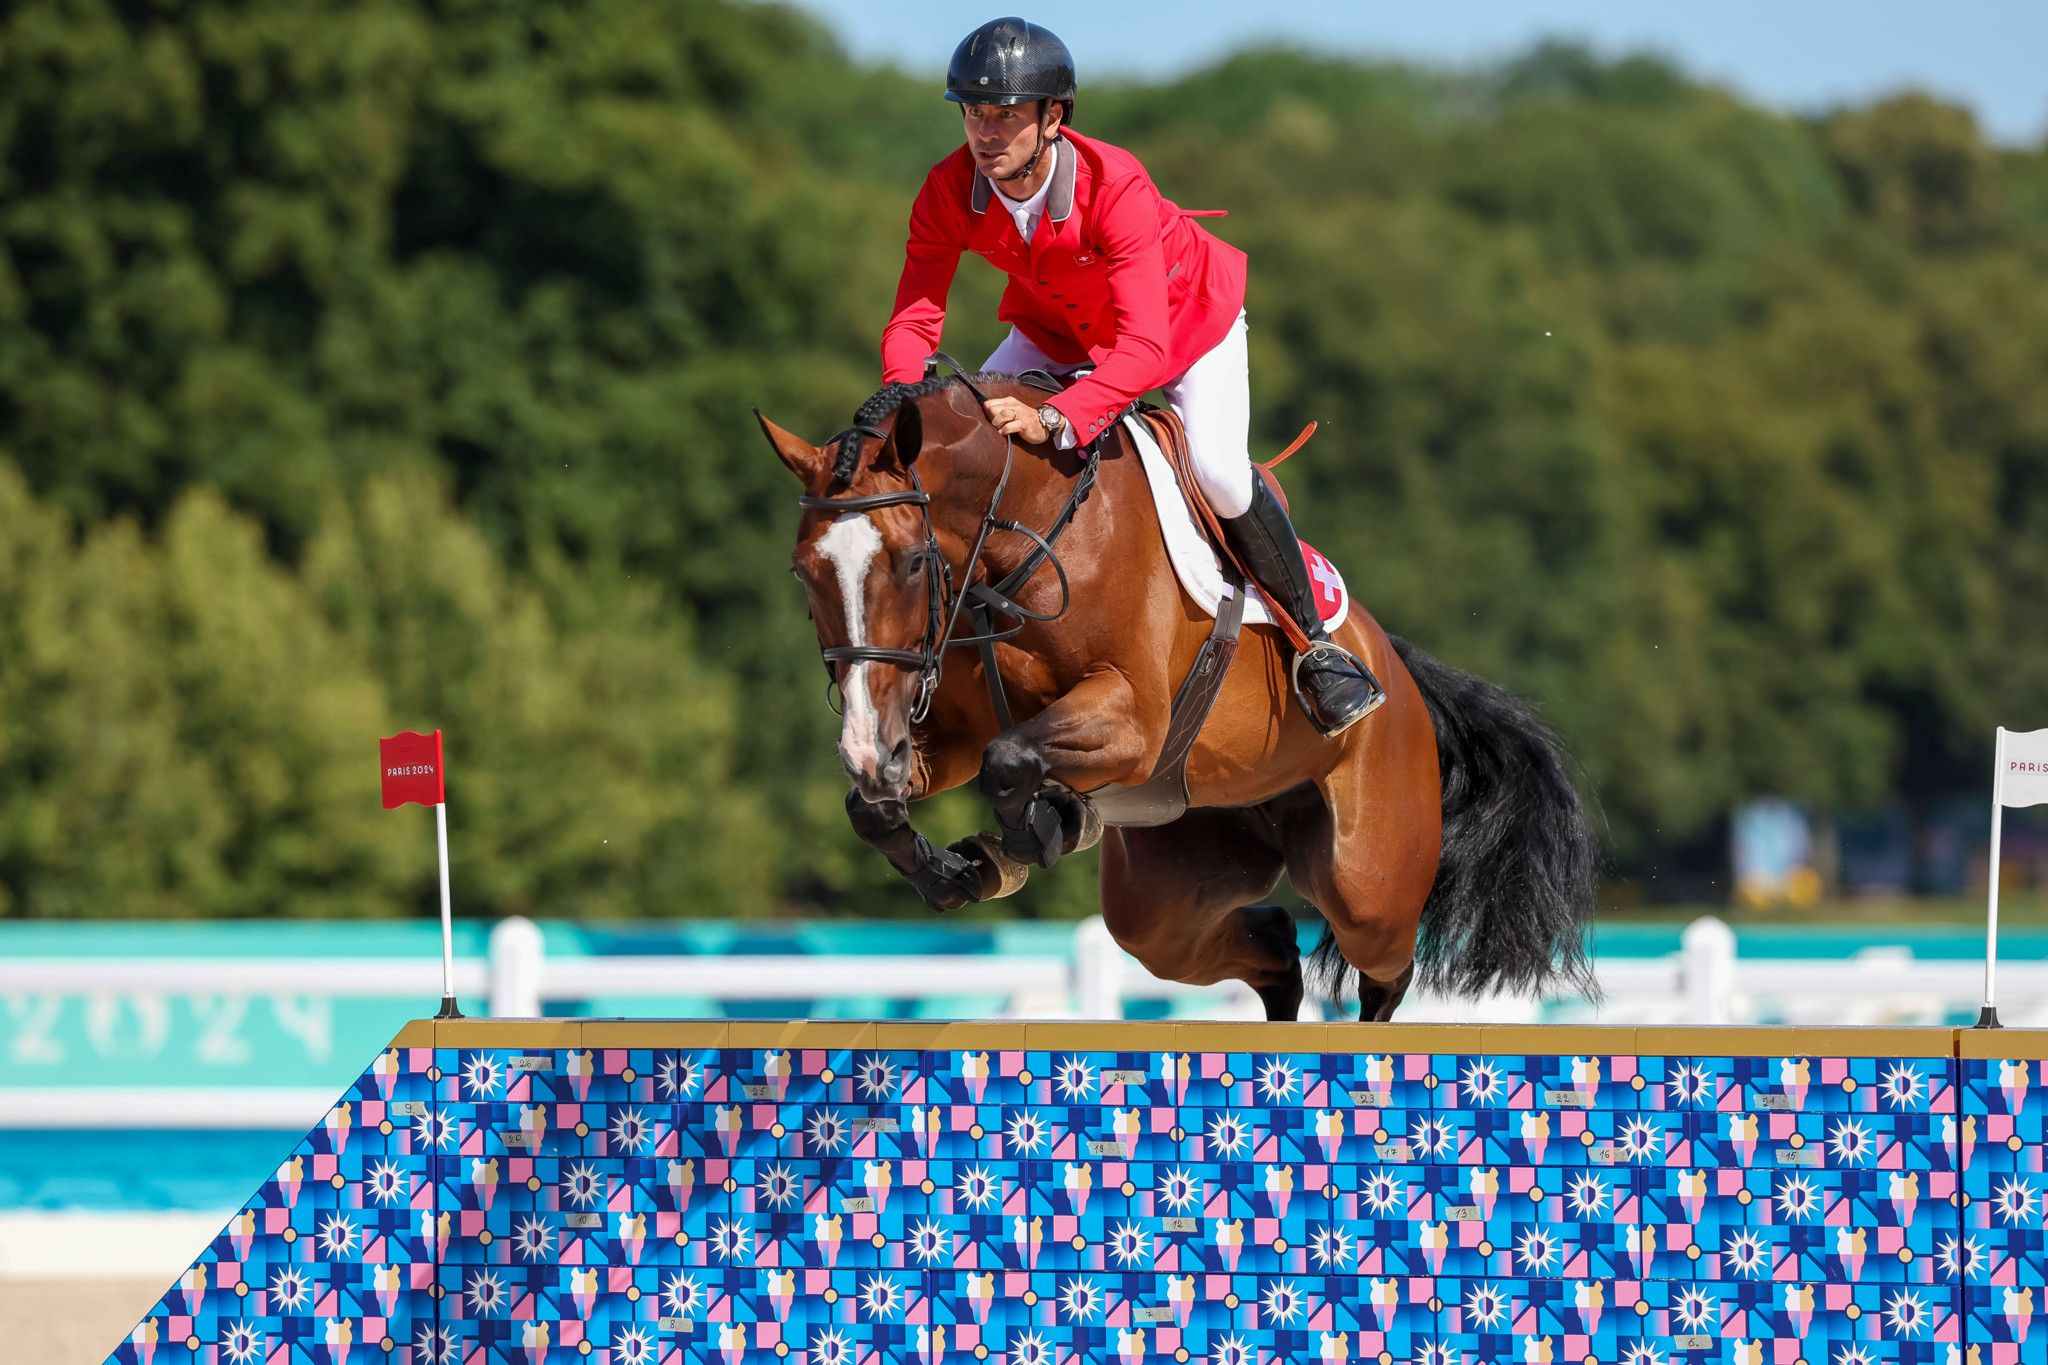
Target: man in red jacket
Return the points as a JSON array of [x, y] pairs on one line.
[[1104, 273]]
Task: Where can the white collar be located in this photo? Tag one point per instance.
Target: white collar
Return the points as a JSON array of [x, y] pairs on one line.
[[1060, 184]]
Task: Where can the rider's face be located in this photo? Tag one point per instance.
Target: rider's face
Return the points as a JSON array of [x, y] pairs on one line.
[[1003, 137]]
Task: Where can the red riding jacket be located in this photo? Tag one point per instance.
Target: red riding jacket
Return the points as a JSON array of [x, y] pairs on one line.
[[1114, 274]]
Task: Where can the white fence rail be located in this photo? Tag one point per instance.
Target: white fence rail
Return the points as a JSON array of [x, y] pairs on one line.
[[1705, 982]]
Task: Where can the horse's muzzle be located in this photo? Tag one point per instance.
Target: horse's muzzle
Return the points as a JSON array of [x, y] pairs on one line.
[[887, 781]]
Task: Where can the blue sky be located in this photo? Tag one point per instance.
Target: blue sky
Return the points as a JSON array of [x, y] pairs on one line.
[[1989, 55]]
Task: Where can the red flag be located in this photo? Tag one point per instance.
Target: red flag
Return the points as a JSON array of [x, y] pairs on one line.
[[411, 764]]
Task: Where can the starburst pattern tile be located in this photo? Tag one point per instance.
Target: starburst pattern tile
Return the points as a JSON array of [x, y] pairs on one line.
[[858, 1205]]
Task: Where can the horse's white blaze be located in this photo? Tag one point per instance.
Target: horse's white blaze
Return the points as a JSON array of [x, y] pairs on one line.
[[851, 546]]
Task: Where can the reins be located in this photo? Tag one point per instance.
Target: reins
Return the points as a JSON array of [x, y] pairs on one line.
[[981, 602]]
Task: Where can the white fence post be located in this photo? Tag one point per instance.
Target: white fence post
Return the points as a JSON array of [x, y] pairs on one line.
[[1706, 968], [1098, 971], [517, 954]]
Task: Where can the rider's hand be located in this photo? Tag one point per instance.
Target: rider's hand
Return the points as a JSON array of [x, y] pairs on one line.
[[1014, 417]]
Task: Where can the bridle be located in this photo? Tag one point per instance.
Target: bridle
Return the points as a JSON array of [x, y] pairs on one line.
[[981, 602]]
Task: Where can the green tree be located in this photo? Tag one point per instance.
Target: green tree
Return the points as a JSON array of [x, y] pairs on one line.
[[389, 364], [591, 758], [180, 730]]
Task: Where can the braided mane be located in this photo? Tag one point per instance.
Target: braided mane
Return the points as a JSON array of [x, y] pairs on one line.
[[885, 401]]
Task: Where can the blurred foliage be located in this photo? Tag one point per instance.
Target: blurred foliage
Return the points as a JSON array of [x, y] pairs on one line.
[[388, 365]]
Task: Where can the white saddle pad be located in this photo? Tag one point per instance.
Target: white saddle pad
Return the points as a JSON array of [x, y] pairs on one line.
[[1195, 564]]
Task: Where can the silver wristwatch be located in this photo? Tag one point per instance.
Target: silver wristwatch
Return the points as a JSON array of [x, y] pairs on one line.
[[1049, 418]]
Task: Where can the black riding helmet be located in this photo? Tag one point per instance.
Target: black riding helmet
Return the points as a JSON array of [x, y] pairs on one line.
[[1011, 61]]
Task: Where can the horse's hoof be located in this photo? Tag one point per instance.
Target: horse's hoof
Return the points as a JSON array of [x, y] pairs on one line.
[[942, 896], [1001, 875], [1084, 826]]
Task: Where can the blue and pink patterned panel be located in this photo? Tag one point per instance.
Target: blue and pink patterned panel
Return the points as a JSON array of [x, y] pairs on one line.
[[2000, 1136], [654, 1194]]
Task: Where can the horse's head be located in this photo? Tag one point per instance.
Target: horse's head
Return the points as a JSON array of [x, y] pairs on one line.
[[874, 575]]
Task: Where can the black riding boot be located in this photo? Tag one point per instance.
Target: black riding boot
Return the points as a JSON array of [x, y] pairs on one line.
[[1333, 687]]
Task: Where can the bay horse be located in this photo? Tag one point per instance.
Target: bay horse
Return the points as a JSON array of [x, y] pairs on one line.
[[1443, 832]]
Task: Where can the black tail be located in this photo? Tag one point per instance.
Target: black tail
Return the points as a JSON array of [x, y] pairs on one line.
[[1516, 881]]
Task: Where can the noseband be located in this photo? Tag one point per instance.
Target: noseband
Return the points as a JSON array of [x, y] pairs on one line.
[[981, 602]]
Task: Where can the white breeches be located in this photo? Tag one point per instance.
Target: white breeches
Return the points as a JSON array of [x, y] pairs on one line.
[[1213, 399]]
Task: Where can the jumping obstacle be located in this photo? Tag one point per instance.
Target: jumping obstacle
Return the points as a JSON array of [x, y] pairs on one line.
[[835, 1193]]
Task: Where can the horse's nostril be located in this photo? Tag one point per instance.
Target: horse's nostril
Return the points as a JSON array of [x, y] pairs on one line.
[[898, 766]]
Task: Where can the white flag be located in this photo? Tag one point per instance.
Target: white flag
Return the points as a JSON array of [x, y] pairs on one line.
[[2024, 781]]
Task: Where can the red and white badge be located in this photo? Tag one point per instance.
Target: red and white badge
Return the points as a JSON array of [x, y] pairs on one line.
[[1332, 599]]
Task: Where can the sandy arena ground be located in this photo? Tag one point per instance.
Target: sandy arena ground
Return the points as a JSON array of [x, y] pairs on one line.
[[70, 1322]]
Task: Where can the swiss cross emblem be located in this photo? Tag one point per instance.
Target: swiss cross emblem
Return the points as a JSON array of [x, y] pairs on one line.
[[1332, 601]]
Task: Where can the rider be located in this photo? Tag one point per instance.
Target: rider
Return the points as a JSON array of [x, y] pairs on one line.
[[1103, 271]]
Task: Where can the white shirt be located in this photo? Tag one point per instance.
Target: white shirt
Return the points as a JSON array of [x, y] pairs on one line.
[[1027, 212]]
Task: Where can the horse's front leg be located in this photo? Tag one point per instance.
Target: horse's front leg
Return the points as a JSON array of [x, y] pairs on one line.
[[1093, 735], [971, 869]]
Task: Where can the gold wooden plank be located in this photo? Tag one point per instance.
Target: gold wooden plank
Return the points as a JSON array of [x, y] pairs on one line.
[[821, 1035], [1151, 1035], [2003, 1044], [1275, 1037], [670, 1034], [518, 1033], [1160, 1036], [414, 1033], [1844, 1041], [1397, 1040], [949, 1035], [1558, 1040]]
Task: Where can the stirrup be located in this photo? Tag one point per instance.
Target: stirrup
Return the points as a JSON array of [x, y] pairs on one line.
[[1315, 647]]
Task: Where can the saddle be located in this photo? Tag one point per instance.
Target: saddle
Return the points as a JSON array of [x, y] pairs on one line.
[[1167, 429], [1171, 435]]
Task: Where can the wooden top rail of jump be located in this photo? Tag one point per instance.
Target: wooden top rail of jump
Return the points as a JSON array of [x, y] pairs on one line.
[[1305, 1038]]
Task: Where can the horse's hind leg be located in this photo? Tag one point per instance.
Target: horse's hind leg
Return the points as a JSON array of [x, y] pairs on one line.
[[1377, 1000], [1178, 899], [1368, 866]]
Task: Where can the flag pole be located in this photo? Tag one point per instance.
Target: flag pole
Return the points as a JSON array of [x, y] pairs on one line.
[[412, 773], [1988, 1016], [449, 1009]]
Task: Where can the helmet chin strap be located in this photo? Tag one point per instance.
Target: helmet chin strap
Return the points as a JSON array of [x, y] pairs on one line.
[[1037, 127]]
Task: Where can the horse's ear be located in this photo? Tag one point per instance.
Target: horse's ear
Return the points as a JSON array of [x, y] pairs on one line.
[[907, 436], [806, 461]]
